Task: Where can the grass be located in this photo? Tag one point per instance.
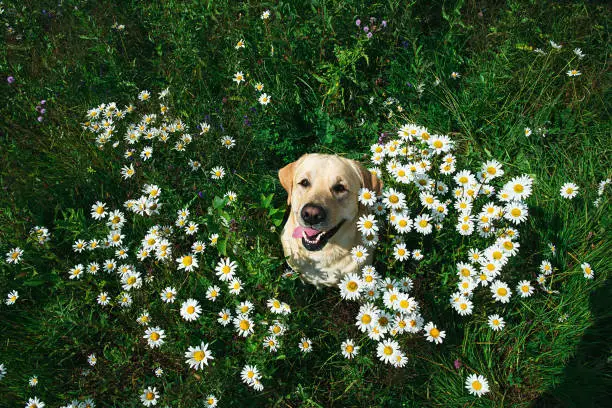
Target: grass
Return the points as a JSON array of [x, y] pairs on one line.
[[322, 72]]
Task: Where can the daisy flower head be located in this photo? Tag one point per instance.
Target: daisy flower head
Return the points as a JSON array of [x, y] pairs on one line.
[[555, 45], [359, 254], [519, 188], [127, 171], [369, 276], [155, 336], [259, 86], [239, 44], [76, 272], [573, 73], [213, 292], [440, 144], [125, 300], [249, 374], [496, 322], [271, 342], [349, 349], [187, 262], [433, 334], [394, 199], [417, 254], [235, 286], [213, 239], [264, 99], [190, 310], [238, 77], [228, 142], [78, 246], [225, 317], [198, 356], [144, 319], [386, 351], [103, 299], [244, 325], [275, 306], [501, 292], [168, 295], [191, 228], [400, 252], [211, 401], [422, 224], [579, 53], [225, 269], [569, 190], [455, 75], [14, 255], [477, 385], [464, 306], [527, 131], [403, 223], [305, 345], [546, 267], [351, 287], [92, 360], [34, 403], [491, 169], [524, 288], [98, 210], [265, 15], [159, 372], [515, 212], [144, 96], [217, 173], [33, 381], [367, 224], [587, 270]]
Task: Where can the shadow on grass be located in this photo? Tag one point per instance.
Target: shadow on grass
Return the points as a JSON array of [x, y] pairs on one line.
[[587, 377]]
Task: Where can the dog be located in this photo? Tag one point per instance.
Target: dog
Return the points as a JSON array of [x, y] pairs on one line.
[[322, 195]]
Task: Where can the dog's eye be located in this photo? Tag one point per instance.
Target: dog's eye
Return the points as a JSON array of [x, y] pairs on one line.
[[338, 188], [304, 183]]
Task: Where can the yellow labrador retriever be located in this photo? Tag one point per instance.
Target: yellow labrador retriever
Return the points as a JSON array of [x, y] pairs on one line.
[[321, 228]]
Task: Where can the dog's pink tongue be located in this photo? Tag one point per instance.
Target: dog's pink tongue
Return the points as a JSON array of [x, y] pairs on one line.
[[310, 232]]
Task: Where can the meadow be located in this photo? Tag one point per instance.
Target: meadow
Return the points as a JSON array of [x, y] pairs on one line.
[[140, 207]]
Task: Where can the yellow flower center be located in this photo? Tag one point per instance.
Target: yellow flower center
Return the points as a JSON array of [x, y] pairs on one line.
[[463, 306], [190, 309], [463, 179], [349, 349], [199, 355], [423, 223], [477, 385], [368, 224], [438, 144], [502, 292], [393, 199], [154, 336], [525, 288], [352, 286], [245, 325], [404, 304], [491, 170], [516, 212], [131, 280], [465, 272], [366, 319], [434, 332], [388, 350], [401, 251], [519, 188], [305, 344], [187, 260], [100, 210]]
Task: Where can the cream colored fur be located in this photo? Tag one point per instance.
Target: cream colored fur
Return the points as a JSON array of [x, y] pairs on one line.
[[327, 266]]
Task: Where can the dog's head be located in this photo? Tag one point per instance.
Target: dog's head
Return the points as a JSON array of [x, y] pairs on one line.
[[322, 191]]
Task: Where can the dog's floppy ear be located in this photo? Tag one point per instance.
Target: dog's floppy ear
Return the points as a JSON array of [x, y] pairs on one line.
[[370, 181], [285, 175]]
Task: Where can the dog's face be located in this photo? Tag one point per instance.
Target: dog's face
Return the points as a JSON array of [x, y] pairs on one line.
[[322, 191]]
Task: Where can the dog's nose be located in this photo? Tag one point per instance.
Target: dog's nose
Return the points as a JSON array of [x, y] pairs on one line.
[[313, 214]]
